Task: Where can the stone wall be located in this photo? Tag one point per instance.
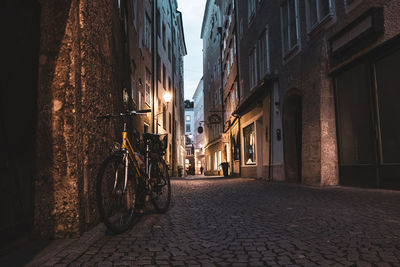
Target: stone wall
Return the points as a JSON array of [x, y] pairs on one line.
[[80, 72]]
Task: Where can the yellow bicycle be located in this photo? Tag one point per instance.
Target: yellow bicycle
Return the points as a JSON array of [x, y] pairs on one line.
[[128, 177]]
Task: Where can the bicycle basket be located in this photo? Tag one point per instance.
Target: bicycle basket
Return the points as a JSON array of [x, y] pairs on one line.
[[157, 143]]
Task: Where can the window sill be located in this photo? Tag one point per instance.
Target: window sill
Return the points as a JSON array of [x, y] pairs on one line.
[[291, 53], [320, 25]]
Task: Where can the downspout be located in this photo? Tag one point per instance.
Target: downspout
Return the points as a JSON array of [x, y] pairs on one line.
[[153, 55], [270, 137]]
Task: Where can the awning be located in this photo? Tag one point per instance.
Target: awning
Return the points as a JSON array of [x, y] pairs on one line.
[[256, 94]]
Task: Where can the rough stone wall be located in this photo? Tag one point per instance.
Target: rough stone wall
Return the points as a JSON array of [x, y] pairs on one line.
[[79, 78]]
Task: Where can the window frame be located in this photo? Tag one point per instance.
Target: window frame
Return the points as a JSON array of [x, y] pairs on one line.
[[263, 59], [320, 19], [287, 51], [253, 124]]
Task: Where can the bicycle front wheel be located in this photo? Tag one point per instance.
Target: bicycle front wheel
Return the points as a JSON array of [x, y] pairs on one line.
[[160, 185], [116, 202]]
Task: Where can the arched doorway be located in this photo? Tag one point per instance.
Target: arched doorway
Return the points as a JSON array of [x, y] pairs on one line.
[[292, 125]]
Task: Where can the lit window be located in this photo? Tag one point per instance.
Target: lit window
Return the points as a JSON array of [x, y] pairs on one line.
[[187, 118], [249, 145], [147, 94], [215, 161]]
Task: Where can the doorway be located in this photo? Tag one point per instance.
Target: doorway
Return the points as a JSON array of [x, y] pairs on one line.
[[292, 125]]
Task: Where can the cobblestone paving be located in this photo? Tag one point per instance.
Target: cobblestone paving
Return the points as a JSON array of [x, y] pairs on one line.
[[244, 222]]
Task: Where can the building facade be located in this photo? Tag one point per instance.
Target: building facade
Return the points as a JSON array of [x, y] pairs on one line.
[[212, 79], [82, 60], [198, 130], [230, 86], [303, 116]]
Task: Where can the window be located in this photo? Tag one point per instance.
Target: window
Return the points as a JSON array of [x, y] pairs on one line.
[[158, 22], [147, 32], [164, 117], [231, 56], [318, 10], [164, 76], [251, 4], [139, 99], [170, 122], [209, 163], [188, 151], [187, 127], [134, 7], [147, 93], [188, 118], [159, 68], [163, 35], [253, 68], [290, 25], [263, 54], [169, 51], [249, 152], [215, 161], [219, 159]]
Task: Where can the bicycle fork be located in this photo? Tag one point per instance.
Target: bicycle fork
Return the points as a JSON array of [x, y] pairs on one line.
[[125, 160]]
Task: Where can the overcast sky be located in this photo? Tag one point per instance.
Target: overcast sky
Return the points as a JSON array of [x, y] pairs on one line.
[[192, 11]]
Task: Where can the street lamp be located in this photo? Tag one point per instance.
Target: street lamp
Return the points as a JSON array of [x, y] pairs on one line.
[[167, 97]]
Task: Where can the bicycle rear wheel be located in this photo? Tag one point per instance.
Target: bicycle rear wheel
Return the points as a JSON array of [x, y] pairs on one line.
[[160, 185], [116, 204]]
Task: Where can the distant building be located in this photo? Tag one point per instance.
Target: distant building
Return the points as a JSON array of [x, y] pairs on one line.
[[198, 131], [189, 135]]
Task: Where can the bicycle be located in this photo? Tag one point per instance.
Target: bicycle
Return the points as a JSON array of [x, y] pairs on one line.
[[126, 180]]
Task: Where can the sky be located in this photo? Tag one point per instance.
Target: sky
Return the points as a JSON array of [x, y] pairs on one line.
[[192, 12]]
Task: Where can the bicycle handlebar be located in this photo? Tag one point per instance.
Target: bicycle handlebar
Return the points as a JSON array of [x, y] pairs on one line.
[[126, 114]]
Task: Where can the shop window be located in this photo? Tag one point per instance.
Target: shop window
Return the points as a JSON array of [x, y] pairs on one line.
[[249, 145]]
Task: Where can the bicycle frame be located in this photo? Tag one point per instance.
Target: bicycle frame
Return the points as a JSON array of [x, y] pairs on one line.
[[126, 147]]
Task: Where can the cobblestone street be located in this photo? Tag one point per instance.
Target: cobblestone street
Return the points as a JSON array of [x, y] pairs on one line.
[[246, 222]]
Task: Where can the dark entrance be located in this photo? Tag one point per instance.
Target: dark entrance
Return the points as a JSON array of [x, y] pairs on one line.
[[367, 109], [292, 124], [18, 114]]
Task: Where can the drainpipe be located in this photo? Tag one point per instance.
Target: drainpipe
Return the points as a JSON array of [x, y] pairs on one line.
[[270, 136], [153, 55]]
